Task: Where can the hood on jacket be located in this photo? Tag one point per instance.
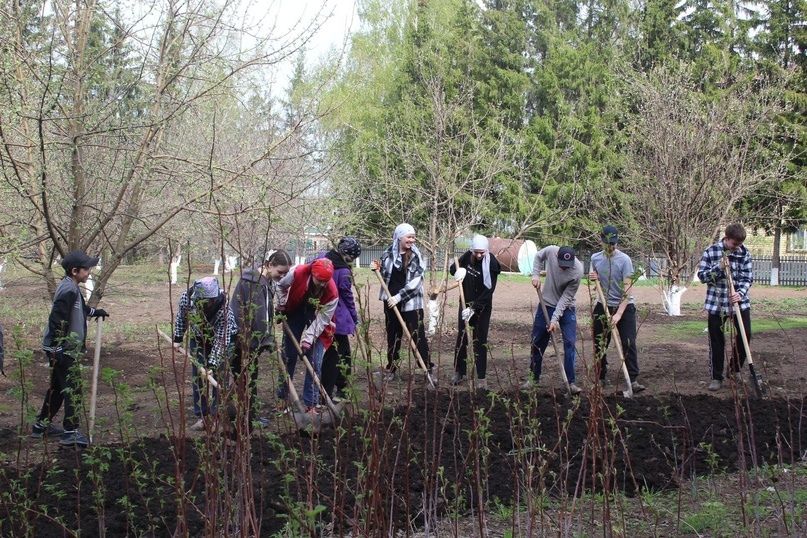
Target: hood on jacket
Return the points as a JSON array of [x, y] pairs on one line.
[[253, 274], [337, 260]]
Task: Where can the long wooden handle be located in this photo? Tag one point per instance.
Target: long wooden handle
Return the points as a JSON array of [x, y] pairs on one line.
[[408, 335], [737, 310], [309, 367], [203, 372], [96, 363], [617, 338], [468, 339]]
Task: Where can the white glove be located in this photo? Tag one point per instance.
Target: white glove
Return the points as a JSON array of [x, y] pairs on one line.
[[459, 274], [467, 313], [392, 301]]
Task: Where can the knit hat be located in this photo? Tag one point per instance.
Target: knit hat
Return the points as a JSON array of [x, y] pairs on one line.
[[350, 246], [322, 269]]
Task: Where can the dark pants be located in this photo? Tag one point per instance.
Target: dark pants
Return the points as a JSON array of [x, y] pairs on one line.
[[718, 323], [205, 396], [627, 337], [65, 387], [540, 339], [395, 335], [480, 324], [244, 367], [336, 365]]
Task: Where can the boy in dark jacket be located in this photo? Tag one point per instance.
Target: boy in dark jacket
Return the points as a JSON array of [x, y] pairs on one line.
[[203, 310], [337, 361], [478, 271], [252, 305], [64, 344]]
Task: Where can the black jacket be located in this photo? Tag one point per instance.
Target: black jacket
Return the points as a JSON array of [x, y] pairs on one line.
[[253, 309], [477, 296]]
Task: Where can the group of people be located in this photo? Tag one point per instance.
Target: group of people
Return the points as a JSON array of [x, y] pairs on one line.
[[315, 304]]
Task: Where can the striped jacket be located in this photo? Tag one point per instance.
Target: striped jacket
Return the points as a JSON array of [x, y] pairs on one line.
[[710, 272], [412, 293]]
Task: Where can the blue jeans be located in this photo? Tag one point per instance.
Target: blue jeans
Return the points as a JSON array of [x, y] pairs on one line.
[[310, 391], [540, 339], [205, 402]]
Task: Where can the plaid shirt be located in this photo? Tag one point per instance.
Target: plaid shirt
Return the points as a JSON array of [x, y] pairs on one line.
[[224, 328], [412, 292], [710, 272]]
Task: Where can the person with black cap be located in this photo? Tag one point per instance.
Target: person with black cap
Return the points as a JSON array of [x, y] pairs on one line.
[[253, 307], [64, 344], [336, 364], [203, 310], [563, 274], [614, 269]]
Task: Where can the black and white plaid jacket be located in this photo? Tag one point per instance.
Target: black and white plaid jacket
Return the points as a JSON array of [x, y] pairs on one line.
[[412, 293]]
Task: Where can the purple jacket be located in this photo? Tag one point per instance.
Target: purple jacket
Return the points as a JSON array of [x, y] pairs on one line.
[[346, 317]]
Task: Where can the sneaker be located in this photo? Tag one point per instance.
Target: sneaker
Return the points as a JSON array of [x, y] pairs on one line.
[[313, 411], [337, 398], [637, 387], [198, 426], [457, 378], [574, 389], [528, 384], [262, 422], [481, 384], [39, 430], [281, 407], [715, 384], [74, 438]]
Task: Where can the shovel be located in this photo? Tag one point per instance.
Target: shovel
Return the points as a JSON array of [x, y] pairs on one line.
[[301, 418], [95, 365], [407, 334], [755, 381], [468, 339], [554, 343], [628, 393], [203, 372], [335, 411]]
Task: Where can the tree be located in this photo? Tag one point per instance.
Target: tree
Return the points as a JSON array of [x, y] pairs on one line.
[[108, 129], [690, 160]]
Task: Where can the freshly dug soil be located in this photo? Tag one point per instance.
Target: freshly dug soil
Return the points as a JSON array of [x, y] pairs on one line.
[[383, 467]]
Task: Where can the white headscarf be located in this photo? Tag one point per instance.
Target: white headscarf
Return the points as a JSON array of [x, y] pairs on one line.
[[401, 231], [480, 242]]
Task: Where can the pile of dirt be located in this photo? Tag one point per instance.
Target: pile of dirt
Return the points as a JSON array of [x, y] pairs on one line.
[[395, 467]]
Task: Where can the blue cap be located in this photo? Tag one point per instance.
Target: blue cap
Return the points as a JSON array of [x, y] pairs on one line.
[[609, 235]]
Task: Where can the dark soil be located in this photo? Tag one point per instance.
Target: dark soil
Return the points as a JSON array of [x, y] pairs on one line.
[[389, 467]]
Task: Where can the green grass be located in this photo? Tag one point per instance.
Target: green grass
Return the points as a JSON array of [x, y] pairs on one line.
[[696, 328]]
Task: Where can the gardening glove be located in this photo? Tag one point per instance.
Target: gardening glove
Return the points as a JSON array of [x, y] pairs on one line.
[[394, 300], [99, 313], [459, 275], [467, 313]]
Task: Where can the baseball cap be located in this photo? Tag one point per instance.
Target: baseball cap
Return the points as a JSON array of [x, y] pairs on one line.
[[566, 257], [78, 258], [610, 235]]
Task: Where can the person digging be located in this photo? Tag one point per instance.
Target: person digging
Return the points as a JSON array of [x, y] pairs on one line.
[[204, 313], [719, 303], [478, 273], [253, 307], [614, 269], [307, 297], [563, 274], [64, 344], [401, 269]]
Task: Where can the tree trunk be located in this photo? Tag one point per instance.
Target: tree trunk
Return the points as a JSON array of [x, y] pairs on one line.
[[776, 258]]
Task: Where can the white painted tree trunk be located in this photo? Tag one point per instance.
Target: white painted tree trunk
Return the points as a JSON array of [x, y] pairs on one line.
[[2, 269], [434, 317], [672, 299], [175, 261], [230, 263], [216, 266], [88, 287], [774, 276]]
